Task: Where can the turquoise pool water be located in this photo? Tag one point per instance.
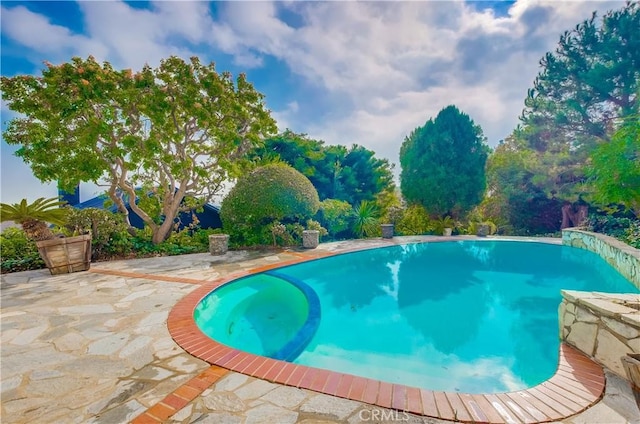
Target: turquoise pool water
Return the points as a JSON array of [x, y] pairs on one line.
[[469, 316]]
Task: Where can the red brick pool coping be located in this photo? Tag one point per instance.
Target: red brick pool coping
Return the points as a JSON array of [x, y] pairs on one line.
[[577, 384]]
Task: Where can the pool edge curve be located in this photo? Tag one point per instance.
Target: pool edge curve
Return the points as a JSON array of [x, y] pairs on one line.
[[577, 384]]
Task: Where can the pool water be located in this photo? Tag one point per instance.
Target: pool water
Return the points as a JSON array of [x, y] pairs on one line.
[[468, 316]]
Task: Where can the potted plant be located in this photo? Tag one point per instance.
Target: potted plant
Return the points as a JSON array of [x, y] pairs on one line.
[[311, 236], [387, 230], [444, 225], [61, 254]]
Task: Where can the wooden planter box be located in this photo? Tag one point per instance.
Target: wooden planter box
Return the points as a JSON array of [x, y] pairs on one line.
[[631, 364], [67, 254]]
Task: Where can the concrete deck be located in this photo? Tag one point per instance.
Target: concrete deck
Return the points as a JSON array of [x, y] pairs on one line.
[[93, 347]]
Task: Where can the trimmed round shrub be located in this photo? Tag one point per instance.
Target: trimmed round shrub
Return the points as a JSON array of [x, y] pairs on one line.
[[274, 192]]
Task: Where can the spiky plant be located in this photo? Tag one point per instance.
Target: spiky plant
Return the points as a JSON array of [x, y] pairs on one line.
[[34, 217]]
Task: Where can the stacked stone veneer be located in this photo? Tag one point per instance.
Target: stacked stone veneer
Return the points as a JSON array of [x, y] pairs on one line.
[[604, 326], [621, 256]]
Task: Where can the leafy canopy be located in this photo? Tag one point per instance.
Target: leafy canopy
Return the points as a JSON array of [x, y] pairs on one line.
[[443, 164], [590, 80], [614, 170], [352, 174], [160, 135]]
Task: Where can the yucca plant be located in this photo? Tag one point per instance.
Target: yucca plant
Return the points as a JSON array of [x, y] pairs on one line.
[[34, 217], [366, 221]]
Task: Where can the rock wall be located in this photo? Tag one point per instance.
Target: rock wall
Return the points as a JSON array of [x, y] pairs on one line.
[[602, 325], [621, 256]]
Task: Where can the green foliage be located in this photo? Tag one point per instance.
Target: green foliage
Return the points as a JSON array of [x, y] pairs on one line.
[[34, 216], [414, 221], [440, 224], [177, 130], [314, 225], [274, 192], [443, 164], [622, 228], [584, 88], [366, 222], [18, 252], [109, 233], [336, 216], [615, 168], [45, 210], [591, 79], [390, 204], [352, 174], [178, 243]]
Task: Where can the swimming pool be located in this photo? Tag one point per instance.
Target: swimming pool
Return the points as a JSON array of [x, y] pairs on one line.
[[464, 316]]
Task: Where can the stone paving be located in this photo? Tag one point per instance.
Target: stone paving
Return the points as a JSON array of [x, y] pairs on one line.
[[93, 347]]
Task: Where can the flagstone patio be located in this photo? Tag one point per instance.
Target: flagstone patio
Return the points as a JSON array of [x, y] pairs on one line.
[[93, 347]]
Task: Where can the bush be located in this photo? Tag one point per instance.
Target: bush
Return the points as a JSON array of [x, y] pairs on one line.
[[109, 233], [622, 228], [534, 214], [274, 192], [178, 243], [414, 221], [336, 216], [18, 252]]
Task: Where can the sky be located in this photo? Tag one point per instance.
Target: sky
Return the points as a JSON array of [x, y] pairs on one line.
[[345, 72]]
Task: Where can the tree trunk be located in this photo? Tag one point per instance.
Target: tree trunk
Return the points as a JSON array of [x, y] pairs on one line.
[[571, 218], [161, 232], [566, 216]]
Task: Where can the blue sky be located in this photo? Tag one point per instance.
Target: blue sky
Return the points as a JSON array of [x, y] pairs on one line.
[[344, 72]]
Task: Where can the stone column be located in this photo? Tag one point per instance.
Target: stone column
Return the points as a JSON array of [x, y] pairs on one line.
[[218, 244], [310, 239]]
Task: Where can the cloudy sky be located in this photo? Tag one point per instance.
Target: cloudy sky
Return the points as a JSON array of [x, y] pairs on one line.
[[343, 72]]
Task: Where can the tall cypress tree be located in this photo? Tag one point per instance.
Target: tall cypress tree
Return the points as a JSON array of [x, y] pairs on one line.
[[443, 164]]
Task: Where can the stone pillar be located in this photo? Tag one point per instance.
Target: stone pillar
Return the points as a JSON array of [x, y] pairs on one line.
[[218, 244], [387, 231], [483, 230], [310, 239]]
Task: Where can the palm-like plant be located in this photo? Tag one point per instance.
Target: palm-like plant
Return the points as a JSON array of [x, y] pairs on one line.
[[33, 217], [366, 219]]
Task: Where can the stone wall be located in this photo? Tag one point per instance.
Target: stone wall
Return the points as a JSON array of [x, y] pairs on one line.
[[604, 326], [619, 255]]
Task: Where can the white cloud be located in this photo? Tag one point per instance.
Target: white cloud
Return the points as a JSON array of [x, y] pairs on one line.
[[377, 69], [37, 33]]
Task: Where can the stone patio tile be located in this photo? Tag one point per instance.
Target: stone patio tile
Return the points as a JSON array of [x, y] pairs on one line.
[[255, 389], [270, 414], [231, 381], [286, 396], [329, 405]]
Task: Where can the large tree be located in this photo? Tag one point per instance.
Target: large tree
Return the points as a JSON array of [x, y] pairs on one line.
[[443, 164], [587, 83], [351, 174], [585, 89], [157, 137]]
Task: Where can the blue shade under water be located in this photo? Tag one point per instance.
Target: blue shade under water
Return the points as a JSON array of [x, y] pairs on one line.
[[469, 316]]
